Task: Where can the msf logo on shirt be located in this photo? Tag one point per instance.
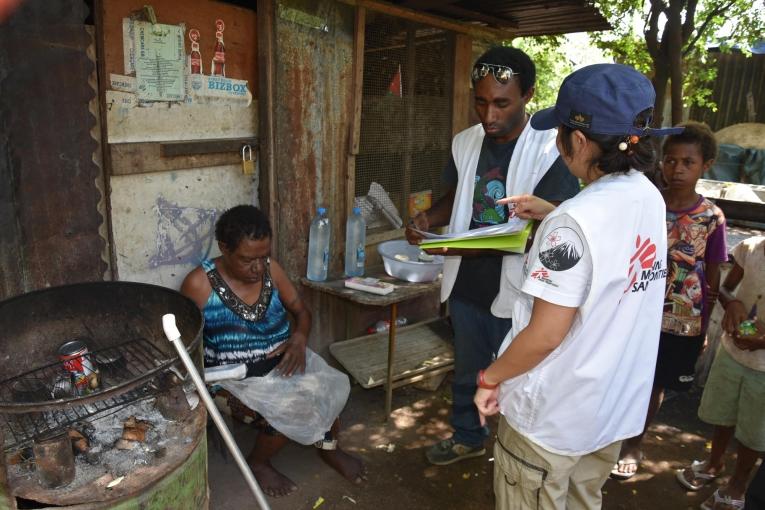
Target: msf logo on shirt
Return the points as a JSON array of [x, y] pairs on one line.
[[644, 268]]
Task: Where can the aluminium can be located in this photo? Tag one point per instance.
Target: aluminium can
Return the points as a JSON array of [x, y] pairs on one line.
[[76, 359]]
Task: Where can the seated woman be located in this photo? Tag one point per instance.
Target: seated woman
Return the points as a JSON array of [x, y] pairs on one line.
[[244, 295]]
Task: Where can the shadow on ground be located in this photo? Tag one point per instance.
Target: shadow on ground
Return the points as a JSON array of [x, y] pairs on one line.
[[401, 479]]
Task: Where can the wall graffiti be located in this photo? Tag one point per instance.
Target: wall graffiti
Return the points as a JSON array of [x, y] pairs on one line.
[[184, 234]]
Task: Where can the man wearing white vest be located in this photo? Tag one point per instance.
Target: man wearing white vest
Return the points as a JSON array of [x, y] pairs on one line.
[[574, 376], [499, 157]]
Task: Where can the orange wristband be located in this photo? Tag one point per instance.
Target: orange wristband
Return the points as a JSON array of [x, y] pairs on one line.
[[483, 384]]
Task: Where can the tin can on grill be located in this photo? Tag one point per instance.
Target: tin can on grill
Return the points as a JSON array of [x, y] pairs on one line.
[[76, 360]]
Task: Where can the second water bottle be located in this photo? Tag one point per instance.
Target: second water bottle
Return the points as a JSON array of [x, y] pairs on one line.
[[355, 238], [318, 246]]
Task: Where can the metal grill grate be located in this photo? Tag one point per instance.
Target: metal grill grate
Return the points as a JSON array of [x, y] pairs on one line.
[[20, 430], [40, 411], [406, 111]]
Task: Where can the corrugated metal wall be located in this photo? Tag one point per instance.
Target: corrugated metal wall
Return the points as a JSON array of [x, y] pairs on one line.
[[49, 191], [739, 91]]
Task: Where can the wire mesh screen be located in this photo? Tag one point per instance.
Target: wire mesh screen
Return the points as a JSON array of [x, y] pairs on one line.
[[405, 134]]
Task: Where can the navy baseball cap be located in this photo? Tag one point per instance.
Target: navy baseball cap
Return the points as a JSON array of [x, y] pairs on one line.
[[602, 99]]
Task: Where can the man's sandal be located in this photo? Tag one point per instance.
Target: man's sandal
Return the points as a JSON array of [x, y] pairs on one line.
[[693, 478], [618, 474], [718, 501]]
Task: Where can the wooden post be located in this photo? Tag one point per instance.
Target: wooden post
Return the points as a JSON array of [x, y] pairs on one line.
[[354, 129], [269, 198], [410, 99], [463, 62]]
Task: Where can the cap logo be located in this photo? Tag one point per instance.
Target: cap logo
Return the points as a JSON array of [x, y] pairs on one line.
[[580, 120]]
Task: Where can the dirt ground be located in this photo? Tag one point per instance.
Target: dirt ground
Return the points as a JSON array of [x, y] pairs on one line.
[[400, 478]]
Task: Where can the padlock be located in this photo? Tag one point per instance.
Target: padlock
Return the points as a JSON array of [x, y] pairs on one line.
[[248, 165]]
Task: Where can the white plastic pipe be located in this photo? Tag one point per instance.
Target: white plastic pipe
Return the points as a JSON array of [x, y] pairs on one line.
[[172, 334]]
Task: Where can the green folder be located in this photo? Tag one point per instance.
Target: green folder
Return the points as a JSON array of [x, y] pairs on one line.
[[514, 243]]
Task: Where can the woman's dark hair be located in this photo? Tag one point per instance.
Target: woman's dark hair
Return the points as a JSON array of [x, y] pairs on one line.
[[240, 222], [696, 133], [640, 156], [515, 59]]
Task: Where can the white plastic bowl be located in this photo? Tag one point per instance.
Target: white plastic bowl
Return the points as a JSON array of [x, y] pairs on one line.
[[412, 270]]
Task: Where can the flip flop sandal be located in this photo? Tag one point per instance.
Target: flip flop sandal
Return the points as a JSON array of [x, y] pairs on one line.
[[719, 502], [619, 475], [699, 478]]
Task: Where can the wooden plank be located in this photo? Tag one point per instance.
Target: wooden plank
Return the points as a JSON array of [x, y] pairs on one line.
[[479, 32], [268, 198], [354, 127], [463, 63], [196, 147], [146, 157], [420, 348], [358, 79]]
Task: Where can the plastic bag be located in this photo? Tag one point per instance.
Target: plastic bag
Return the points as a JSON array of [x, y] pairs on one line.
[[302, 407]]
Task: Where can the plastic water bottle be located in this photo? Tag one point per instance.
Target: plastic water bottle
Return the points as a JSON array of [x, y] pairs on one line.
[[355, 237], [318, 246]]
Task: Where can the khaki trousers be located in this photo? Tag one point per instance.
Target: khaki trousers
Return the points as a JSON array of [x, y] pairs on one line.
[[528, 477]]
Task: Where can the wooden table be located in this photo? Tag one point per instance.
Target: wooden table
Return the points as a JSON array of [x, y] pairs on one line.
[[437, 353]]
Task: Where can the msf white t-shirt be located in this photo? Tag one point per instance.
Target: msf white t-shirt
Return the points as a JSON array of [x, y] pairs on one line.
[[603, 252]]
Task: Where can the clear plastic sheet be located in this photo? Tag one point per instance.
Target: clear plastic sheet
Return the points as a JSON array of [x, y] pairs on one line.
[[302, 407]]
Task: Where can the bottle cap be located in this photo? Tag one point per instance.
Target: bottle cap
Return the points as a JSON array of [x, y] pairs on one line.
[[322, 210], [357, 210]]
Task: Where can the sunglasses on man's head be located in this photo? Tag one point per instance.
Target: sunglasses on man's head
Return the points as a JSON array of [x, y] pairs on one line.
[[501, 73]]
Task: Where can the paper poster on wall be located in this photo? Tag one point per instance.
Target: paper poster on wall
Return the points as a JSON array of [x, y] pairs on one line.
[[160, 62], [128, 47], [217, 89]]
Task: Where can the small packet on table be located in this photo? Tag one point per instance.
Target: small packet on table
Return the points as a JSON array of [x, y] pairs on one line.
[[373, 285]]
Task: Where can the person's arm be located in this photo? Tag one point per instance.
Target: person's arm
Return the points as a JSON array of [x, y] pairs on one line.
[[437, 216], [716, 253], [735, 310], [196, 287], [293, 349], [548, 326]]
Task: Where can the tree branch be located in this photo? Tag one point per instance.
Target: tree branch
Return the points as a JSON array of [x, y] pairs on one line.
[[651, 32], [690, 19], [702, 28]]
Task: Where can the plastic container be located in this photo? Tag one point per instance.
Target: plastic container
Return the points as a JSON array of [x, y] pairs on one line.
[[319, 240], [381, 326], [402, 261], [355, 237]]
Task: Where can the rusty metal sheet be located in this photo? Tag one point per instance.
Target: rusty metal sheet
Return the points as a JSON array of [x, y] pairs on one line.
[[46, 150]]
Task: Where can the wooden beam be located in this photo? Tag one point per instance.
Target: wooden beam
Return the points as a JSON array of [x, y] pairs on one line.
[[197, 147], [463, 62], [147, 157], [269, 199], [354, 128], [475, 31], [492, 21]]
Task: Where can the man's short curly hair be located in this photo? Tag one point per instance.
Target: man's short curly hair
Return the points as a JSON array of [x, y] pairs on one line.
[[696, 133], [241, 222]]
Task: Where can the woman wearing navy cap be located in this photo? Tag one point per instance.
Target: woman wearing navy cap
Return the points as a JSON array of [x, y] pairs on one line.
[[574, 375]]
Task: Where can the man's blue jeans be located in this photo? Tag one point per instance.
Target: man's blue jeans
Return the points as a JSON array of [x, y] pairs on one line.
[[477, 337]]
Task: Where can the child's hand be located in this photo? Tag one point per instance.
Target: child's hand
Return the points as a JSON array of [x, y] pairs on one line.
[[751, 342], [735, 313]]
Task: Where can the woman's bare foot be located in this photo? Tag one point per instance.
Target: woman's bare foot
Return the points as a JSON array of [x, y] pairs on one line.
[[347, 465], [272, 482]]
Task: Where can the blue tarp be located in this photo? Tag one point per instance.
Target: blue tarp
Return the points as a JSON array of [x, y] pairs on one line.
[[737, 164]]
